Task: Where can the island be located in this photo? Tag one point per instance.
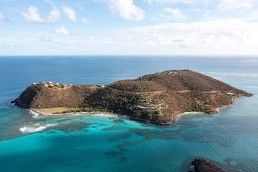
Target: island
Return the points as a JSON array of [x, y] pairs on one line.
[[154, 98]]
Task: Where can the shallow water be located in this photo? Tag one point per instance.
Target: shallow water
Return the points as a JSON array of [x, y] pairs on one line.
[[91, 143]]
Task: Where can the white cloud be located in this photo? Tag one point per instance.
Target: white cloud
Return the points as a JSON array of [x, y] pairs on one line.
[[175, 12], [71, 14], [2, 17], [172, 13], [54, 15], [34, 16], [152, 2], [246, 5], [62, 30], [85, 20], [126, 9], [226, 27], [220, 37], [235, 4], [208, 37], [211, 9]]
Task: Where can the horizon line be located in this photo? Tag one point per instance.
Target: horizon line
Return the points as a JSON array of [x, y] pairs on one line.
[[128, 55]]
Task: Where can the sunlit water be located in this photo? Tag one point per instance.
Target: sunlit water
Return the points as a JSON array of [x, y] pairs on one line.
[[93, 143]]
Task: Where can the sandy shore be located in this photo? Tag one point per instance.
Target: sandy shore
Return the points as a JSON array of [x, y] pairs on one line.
[[190, 113], [40, 112], [217, 110], [226, 106], [104, 115], [178, 116]]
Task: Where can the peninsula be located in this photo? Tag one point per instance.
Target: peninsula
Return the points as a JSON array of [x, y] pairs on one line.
[[154, 98]]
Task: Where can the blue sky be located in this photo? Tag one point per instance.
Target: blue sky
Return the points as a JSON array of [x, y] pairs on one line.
[[128, 27]]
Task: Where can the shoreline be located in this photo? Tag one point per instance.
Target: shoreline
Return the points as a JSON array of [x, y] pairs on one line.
[[226, 106], [216, 110], [159, 98], [40, 112], [176, 117]]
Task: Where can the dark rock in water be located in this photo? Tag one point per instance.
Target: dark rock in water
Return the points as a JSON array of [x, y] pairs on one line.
[[202, 165], [155, 98]]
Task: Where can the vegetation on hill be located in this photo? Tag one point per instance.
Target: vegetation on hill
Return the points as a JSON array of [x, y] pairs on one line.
[[155, 98]]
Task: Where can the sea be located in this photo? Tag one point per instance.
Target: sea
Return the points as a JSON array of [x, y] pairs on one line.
[[29, 142]]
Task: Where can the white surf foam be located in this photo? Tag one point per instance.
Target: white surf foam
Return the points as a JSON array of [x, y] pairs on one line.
[[34, 114], [23, 129], [35, 128]]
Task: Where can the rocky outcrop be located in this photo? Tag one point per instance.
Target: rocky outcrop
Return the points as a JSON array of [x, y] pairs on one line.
[[155, 98], [202, 165]]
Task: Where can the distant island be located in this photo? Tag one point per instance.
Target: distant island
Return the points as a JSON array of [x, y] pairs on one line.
[[154, 98]]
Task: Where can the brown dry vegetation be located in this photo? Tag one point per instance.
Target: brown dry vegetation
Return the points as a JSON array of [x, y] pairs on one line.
[[155, 98], [45, 97]]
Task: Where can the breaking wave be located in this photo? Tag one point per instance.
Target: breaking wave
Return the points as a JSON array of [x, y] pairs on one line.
[[35, 128], [34, 114]]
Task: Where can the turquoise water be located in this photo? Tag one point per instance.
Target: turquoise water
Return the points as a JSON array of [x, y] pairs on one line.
[[83, 143]]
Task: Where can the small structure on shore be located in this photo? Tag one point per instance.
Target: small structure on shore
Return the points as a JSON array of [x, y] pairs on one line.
[[51, 84], [230, 93], [146, 107], [173, 72]]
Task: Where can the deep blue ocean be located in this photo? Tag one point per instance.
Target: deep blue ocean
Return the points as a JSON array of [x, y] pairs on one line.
[[92, 143]]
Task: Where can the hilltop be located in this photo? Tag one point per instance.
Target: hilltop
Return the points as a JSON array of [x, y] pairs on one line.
[[154, 98]]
